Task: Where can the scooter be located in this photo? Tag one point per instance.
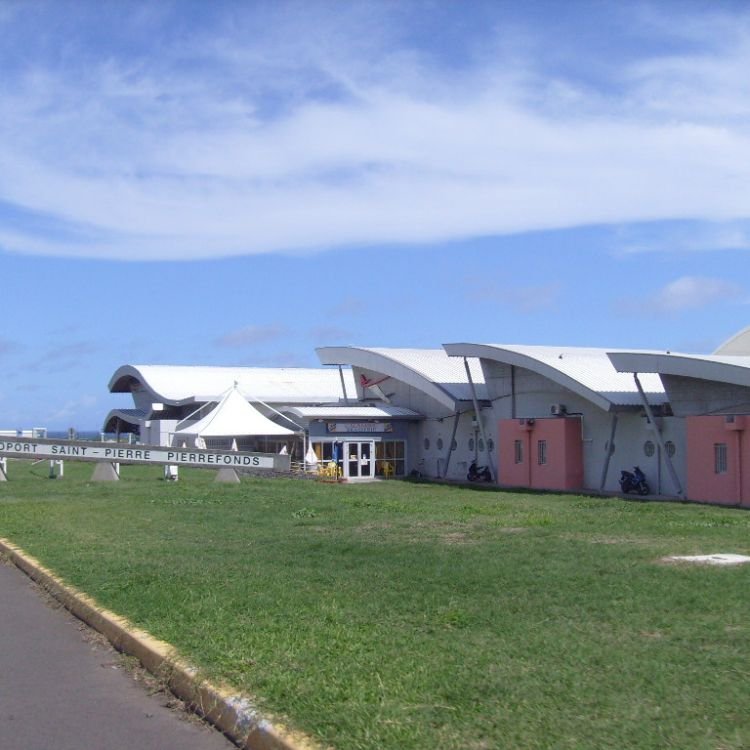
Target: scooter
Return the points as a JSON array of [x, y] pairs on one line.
[[634, 481], [479, 473]]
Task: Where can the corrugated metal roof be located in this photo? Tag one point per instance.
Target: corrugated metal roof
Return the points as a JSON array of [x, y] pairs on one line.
[[177, 383], [586, 370], [593, 369], [436, 366]]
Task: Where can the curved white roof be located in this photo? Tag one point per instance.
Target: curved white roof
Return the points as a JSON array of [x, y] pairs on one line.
[[181, 384], [431, 371], [384, 411], [585, 371], [128, 416], [734, 370], [738, 345]]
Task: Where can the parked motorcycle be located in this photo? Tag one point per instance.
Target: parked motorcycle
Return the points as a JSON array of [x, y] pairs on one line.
[[479, 473], [634, 481]]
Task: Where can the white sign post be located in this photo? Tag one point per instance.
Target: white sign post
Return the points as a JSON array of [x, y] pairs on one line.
[[158, 455]]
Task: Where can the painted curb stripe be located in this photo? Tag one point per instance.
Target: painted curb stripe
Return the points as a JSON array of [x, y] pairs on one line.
[[233, 714]]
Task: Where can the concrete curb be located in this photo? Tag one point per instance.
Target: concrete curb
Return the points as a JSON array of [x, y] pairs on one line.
[[233, 714]]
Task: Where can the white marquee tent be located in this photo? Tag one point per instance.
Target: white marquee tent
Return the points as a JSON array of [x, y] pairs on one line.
[[233, 417]]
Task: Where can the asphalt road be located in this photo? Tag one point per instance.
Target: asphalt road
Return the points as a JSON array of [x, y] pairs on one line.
[[62, 689]]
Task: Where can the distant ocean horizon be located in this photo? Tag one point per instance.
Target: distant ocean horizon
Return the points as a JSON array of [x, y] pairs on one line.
[[80, 434]]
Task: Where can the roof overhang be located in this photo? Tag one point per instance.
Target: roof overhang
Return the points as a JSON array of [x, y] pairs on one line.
[[126, 376], [495, 353], [362, 411], [119, 417], [727, 369], [187, 385], [377, 362]]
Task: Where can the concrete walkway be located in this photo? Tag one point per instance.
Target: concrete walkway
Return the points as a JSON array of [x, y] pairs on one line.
[[63, 690]]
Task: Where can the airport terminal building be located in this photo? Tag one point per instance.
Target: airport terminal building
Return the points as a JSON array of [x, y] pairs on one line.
[[538, 417]]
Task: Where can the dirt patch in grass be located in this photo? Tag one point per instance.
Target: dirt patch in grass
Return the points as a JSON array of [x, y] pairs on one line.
[[609, 539], [436, 531]]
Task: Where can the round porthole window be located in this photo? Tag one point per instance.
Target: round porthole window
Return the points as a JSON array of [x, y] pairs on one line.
[[427, 444], [481, 445], [439, 444], [649, 448], [490, 444], [670, 448], [471, 444]]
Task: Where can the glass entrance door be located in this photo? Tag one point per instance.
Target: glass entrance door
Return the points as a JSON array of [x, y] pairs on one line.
[[359, 459]]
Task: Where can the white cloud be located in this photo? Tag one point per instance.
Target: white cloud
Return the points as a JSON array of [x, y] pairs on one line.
[[8, 346], [250, 335], [524, 299], [73, 408], [684, 237], [247, 152], [66, 356], [326, 334], [694, 292]]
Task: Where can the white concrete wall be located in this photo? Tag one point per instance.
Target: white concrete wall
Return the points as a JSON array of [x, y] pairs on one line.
[[527, 394], [158, 431], [689, 396], [433, 460], [401, 394], [142, 399], [436, 426]]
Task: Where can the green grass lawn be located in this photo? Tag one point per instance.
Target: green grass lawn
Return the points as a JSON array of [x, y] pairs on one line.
[[397, 615]]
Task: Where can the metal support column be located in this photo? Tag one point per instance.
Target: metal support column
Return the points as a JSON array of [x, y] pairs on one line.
[[659, 438], [450, 447], [343, 386], [610, 451], [474, 399]]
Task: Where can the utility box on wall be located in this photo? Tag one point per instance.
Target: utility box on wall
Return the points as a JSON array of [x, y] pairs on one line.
[[542, 453]]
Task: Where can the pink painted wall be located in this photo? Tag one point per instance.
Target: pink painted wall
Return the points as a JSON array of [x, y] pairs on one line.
[[703, 482], [563, 469]]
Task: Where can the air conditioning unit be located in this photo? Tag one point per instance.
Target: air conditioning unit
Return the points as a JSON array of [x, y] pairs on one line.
[[557, 410]]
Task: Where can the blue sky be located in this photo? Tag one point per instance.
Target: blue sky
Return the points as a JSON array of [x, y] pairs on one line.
[[240, 182]]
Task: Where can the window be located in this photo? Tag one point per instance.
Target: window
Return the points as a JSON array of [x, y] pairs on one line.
[[518, 451], [720, 458], [454, 444], [649, 448], [541, 452], [670, 448], [490, 444], [439, 444], [390, 458], [481, 445], [324, 452], [427, 444], [471, 444]]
